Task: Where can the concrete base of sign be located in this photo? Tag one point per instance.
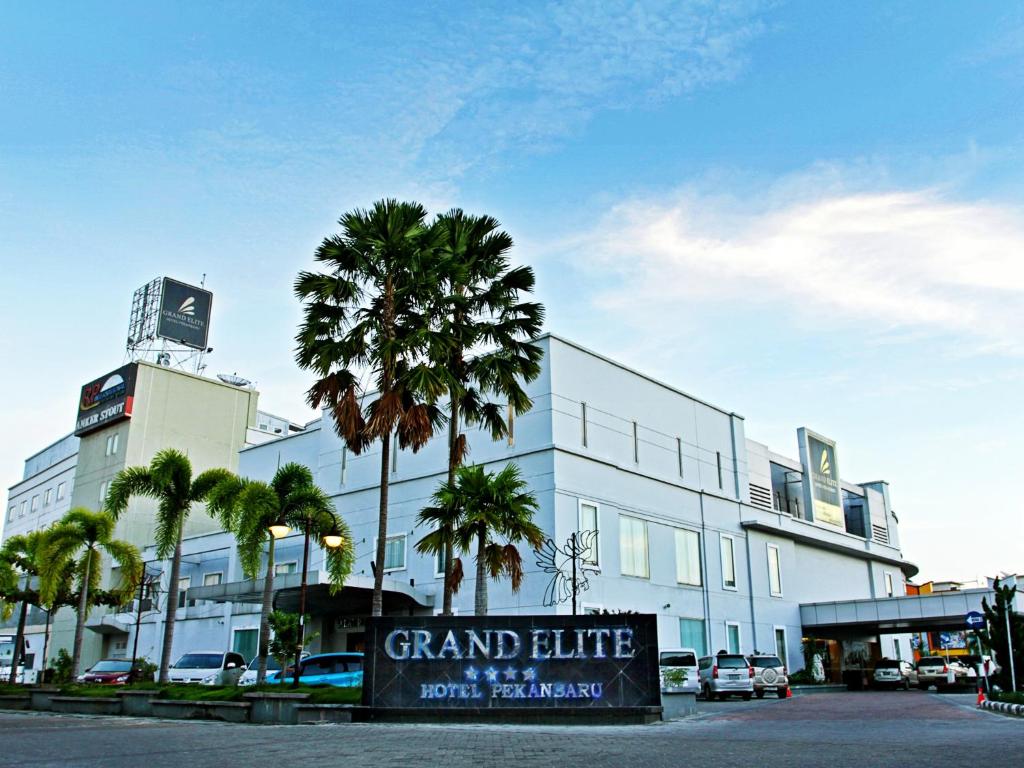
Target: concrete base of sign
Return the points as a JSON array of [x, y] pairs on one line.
[[676, 705], [515, 715]]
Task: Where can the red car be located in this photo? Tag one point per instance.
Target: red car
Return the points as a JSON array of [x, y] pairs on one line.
[[107, 672]]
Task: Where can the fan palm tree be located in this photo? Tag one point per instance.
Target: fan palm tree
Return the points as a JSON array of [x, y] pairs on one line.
[[169, 480], [22, 558], [491, 508], [489, 335], [79, 540], [368, 313], [252, 510]]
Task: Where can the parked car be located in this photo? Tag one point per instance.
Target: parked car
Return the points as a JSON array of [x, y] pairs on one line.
[[253, 667], [894, 673], [344, 670], [934, 670], [770, 675], [980, 665], [674, 663], [107, 672], [725, 674], [207, 668]]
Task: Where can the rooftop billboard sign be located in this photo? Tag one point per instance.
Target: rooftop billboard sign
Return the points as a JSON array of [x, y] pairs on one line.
[[184, 314], [510, 662], [823, 494], [106, 400]]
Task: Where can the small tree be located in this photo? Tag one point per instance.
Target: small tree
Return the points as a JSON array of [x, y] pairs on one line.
[[994, 636], [285, 644], [22, 559], [79, 541]]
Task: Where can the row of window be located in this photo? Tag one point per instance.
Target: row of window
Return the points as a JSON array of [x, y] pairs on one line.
[[48, 497], [692, 635]]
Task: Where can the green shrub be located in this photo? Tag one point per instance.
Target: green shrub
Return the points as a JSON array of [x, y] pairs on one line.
[[1008, 696], [61, 668]]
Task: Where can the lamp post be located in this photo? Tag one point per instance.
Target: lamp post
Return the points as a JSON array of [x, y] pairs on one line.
[[331, 539]]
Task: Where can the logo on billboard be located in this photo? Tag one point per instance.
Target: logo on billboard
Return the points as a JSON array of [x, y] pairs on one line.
[[184, 314], [106, 400], [826, 468]]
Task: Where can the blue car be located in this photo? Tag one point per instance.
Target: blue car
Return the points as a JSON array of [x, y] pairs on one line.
[[344, 670]]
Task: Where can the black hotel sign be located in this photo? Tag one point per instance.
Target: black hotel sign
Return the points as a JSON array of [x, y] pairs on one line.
[[436, 662]]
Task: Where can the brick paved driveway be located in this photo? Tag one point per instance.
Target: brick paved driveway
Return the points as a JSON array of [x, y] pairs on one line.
[[833, 730]]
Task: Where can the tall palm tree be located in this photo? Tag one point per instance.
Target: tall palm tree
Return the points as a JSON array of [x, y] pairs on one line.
[[495, 512], [21, 559], [368, 312], [79, 540], [169, 480], [249, 509], [489, 335]]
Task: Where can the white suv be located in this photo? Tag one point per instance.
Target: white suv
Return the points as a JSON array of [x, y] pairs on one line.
[[770, 675]]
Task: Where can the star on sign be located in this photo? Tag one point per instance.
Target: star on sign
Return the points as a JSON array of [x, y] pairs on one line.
[[529, 675], [492, 675], [510, 673], [472, 674]]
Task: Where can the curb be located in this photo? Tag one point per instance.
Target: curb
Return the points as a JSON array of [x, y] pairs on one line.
[[1017, 710]]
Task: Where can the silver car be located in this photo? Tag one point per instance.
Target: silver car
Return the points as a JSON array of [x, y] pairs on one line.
[[942, 673], [724, 675], [769, 675], [894, 673], [679, 670]]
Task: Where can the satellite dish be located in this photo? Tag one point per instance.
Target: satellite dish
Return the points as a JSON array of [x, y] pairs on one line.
[[233, 379]]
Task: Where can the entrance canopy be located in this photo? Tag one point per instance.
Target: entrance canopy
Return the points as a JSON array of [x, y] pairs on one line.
[[936, 612]]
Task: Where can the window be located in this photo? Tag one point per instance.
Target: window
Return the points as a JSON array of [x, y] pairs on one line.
[[35, 504], [718, 459], [679, 454], [212, 579], [728, 562], [896, 648], [394, 553], [183, 584], [633, 546], [21, 508], [10, 514], [583, 422], [246, 642], [439, 565], [780, 645], [394, 453], [774, 571], [344, 465], [588, 515], [61, 488], [889, 590], [691, 635], [283, 569], [112, 442], [591, 609], [47, 497], [103, 492], [636, 443], [732, 636], [511, 421], [688, 557]]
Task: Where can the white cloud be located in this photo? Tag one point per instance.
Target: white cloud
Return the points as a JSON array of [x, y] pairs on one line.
[[890, 262]]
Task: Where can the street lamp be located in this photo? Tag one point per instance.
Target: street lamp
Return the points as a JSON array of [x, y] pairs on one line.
[[332, 540], [279, 528]]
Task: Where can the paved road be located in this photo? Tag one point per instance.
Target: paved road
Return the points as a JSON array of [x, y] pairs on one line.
[[864, 730]]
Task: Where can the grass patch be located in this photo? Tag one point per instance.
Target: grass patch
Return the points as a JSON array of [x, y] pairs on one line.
[[326, 694], [6, 689]]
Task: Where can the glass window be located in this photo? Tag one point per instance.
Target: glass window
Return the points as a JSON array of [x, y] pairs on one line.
[[688, 557], [282, 569], [200, 661], [718, 460], [728, 563], [889, 591], [47, 497], [35, 503], [588, 522], [633, 546], [732, 637], [394, 553], [112, 443], [780, 645], [691, 635], [774, 571], [22, 508], [344, 465], [61, 488], [103, 492], [10, 514], [212, 579], [245, 642], [184, 584]]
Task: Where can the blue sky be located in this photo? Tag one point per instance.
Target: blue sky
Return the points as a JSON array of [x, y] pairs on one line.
[[810, 213]]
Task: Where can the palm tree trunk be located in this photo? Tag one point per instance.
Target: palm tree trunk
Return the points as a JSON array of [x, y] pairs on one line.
[[377, 607], [46, 644], [19, 637], [481, 574], [268, 595], [83, 607], [172, 608], [453, 462]]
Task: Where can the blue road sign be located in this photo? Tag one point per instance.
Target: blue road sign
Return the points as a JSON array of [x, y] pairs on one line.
[[974, 620]]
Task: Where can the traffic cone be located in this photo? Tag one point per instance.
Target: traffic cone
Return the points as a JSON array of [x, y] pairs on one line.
[[981, 697], [789, 692]]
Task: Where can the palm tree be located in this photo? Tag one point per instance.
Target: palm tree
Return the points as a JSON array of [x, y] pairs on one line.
[[253, 510], [79, 539], [491, 508], [168, 479], [21, 557], [489, 338], [369, 313]]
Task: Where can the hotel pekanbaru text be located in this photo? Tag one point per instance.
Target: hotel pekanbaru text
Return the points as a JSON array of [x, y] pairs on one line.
[[518, 677]]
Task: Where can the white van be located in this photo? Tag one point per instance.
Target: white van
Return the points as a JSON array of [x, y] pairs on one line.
[[208, 668], [674, 661]]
